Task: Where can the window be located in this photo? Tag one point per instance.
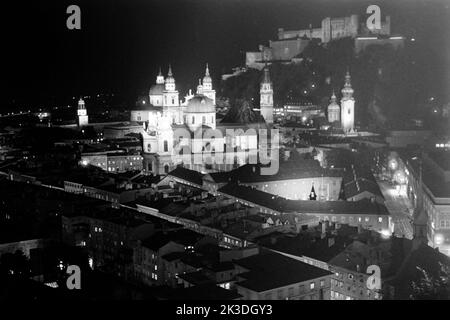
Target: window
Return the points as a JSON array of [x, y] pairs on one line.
[[166, 146], [367, 219], [193, 120], [349, 111], [203, 119], [380, 219], [311, 286], [166, 168], [322, 283]]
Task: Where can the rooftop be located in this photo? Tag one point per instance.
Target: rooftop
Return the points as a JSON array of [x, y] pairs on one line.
[[283, 205], [265, 271]]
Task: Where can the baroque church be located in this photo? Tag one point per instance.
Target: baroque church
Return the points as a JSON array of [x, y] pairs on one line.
[[345, 113], [187, 132]]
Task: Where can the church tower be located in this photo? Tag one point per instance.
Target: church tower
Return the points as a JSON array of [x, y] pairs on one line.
[[207, 88], [171, 102], [334, 111], [266, 97], [347, 106], [312, 194], [160, 77], [83, 119]]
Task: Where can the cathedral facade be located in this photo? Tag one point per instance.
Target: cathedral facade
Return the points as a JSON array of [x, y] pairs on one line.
[[177, 132]]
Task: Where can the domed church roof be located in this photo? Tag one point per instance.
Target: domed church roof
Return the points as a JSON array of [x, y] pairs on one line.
[[200, 104]]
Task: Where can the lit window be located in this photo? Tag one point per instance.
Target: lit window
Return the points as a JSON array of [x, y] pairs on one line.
[[322, 283], [311, 285], [380, 219]]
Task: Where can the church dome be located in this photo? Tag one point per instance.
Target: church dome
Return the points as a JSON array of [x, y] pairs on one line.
[[156, 89], [333, 104], [200, 104]]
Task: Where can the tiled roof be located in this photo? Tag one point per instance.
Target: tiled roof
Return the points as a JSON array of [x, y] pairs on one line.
[[283, 205], [192, 176], [269, 270]]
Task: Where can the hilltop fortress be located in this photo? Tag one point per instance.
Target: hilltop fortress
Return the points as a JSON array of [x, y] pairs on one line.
[[291, 43]]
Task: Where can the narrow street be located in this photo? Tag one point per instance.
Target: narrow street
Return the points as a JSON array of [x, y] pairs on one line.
[[400, 209]]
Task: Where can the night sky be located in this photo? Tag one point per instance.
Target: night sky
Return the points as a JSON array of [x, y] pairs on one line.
[[122, 43]]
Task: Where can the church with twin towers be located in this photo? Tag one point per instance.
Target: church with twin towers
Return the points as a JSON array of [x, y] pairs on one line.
[[166, 115]]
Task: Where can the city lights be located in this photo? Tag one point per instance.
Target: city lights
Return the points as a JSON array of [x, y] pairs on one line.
[[438, 239]]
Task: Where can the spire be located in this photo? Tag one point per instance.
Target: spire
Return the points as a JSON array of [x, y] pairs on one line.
[[312, 194], [81, 103], [333, 97], [348, 79], [207, 81], [347, 90], [266, 78], [169, 73], [160, 77]]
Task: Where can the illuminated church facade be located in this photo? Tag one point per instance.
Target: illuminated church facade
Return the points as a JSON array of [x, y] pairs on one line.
[[345, 113], [175, 132]]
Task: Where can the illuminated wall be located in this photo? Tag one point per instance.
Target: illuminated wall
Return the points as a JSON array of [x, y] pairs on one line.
[[327, 188]]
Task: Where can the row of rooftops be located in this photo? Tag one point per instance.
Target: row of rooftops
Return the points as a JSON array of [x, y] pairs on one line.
[[282, 205], [250, 173]]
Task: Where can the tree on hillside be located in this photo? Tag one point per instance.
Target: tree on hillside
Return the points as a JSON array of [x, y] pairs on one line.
[[241, 111], [430, 287]]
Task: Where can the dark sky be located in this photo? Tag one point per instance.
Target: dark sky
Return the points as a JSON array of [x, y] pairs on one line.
[[123, 42]]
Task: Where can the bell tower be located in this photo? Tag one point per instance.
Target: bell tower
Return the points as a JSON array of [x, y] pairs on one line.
[[266, 97], [83, 118], [347, 106]]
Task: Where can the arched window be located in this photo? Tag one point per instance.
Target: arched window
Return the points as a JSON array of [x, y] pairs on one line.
[[149, 147], [203, 119], [193, 120], [166, 146], [166, 168]]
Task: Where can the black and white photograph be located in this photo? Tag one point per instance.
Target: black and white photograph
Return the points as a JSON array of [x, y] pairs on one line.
[[210, 157]]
